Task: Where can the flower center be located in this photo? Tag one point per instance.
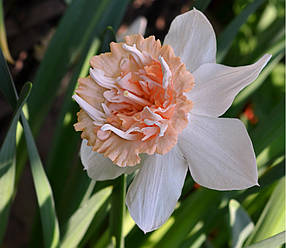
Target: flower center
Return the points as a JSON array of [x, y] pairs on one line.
[[133, 100], [138, 103]]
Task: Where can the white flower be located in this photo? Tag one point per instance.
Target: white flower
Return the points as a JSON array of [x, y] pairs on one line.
[[217, 151]]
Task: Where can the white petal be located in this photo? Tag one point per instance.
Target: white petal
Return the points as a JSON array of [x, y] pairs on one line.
[[219, 153], [99, 167], [193, 39], [217, 85], [153, 194], [136, 27]]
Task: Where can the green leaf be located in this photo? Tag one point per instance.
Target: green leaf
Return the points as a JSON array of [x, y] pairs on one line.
[[83, 21], [275, 241], [44, 193], [199, 233], [226, 38], [79, 29], [268, 138], [118, 210], [98, 224], [66, 140], [78, 224], [8, 162], [6, 87], [3, 38], [195, 207], [246, 93], [272, 218], [267, 41], [240, 222], [271, 175]]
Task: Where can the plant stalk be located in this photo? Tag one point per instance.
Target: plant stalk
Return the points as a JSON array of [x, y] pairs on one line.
[[118, 211]]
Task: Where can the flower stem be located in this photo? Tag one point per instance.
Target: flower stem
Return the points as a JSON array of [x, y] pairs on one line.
[[118, 210]]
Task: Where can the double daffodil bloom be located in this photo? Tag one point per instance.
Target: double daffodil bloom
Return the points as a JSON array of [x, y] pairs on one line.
[[164, 102]]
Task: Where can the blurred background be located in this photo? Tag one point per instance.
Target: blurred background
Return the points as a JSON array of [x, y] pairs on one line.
[[49, 43]]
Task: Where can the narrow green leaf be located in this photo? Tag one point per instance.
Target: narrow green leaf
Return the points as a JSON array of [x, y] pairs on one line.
[[108, 36], [199, 204], [66, 140], [245, 94], [270, 176], [98, 224], [240, 222], [6, 87], [275, 241], [44, 193], [78, 224], [267, 40], [8, 162], [226, 38], [83, 23], [104, 240], [3, 38], [268, 138], [118, 210], [199, 233], [272, 218], [84, 20], [215, 221]]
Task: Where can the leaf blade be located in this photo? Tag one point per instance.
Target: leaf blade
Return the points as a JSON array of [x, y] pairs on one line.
[[227, 36], [274, 241], [272, 218], [240, 223], [77, 225], [6, 87], [43, 189], [8, 162]]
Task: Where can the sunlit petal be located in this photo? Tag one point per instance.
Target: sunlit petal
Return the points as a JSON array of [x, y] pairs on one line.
[[153, 194], [100, 168], [219, 153], [193, 39], [217, 85]]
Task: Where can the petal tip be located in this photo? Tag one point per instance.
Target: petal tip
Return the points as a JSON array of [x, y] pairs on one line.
[[267, 56]]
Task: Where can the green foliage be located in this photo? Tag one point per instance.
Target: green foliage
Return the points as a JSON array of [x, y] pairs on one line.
[[274, 241], [76, 212], [43, 190], [8, 162], [271, 221], [7, 89], [77, 225], [3, 39], [240, 222]]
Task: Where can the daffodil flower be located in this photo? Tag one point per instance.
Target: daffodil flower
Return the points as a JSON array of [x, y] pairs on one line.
[[165, 102]]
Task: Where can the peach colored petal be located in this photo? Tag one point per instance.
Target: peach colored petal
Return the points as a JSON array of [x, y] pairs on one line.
[[85, 125], [168, 141], [180, 119], [91, 92], [149, 45], [143, 100], [106, 62], [183, 79]]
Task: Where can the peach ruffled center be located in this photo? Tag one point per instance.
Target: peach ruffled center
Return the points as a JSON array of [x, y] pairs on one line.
[[133, 100]]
